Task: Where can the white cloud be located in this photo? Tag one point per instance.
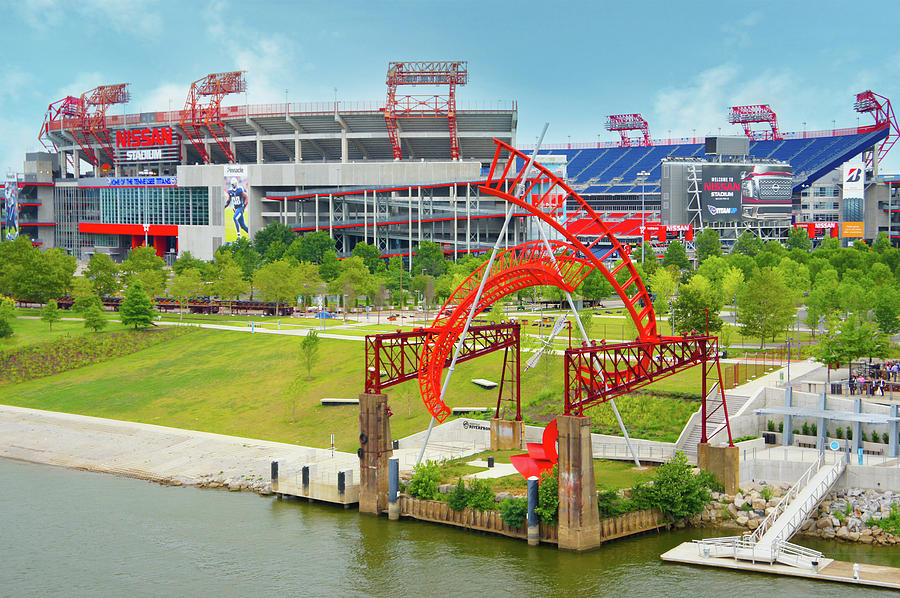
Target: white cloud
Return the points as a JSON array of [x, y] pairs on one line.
[[133, 16]]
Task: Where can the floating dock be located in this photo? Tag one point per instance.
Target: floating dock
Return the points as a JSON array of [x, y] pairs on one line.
[[839, 571]]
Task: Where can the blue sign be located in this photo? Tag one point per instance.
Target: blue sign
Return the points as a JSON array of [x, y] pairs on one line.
[[834, 445], [143, 181]]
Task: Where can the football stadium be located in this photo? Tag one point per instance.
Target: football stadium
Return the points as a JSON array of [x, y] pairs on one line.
[[407, 168]]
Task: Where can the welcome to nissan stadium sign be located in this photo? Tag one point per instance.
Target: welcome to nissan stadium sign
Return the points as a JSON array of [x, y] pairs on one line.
[[157, 144]]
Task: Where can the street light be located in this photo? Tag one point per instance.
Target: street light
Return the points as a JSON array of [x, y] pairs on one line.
[[425, 298], [642, 175]]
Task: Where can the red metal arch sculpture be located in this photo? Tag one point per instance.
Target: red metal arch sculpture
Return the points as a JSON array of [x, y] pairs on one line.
[[514, 269], [547, 197]]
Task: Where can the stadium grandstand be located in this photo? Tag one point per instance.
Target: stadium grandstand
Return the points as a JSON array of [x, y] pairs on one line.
[[623, 180], [405, 169]]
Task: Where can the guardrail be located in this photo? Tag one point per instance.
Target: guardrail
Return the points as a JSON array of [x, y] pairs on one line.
[[787, 498]]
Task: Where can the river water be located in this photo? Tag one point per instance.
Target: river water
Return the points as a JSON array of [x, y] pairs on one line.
[[66, 532]]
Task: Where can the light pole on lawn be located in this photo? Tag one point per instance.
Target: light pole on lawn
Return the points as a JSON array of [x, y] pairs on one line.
[[642, 175]]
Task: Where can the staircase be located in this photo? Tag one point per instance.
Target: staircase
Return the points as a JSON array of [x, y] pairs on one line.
[[769, 542], [690, 437]]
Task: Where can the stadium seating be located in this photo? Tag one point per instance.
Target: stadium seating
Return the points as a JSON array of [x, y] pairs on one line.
[[614, 170]]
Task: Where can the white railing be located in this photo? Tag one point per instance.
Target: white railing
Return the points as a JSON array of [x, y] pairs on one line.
[[812, 500], [620, 451], [787, 498], [740, 547]]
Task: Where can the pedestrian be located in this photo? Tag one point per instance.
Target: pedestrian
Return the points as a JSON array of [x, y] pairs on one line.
[[895, 369], [852, 385], [881, 384]]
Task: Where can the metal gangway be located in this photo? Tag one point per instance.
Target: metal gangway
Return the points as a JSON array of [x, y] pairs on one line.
[[769, 542]]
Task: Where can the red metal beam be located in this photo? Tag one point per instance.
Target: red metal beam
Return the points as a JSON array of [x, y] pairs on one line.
[[623, 123], [202, 110], [755, 113], [881, 110]]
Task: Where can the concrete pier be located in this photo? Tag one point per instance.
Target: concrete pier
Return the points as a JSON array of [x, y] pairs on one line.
[[579, 519], [374, 453]]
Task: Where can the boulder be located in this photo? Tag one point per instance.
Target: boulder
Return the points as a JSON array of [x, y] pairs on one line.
[[828, 533], [742, 520], [866, 539], [753, 523], [843, 533], [823, 522], [738, 501], [758, 504]]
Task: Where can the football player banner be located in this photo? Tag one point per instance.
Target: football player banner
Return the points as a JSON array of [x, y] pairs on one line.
[[11, 208], [236, 198]]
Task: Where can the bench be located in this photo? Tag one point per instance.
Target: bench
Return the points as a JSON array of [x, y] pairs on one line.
[[334, 402]]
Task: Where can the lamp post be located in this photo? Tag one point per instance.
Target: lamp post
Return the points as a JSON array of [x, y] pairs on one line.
[[425, 297], [643, 176]]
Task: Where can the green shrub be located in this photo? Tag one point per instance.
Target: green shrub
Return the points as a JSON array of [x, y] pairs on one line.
[[709, 480], [481, 497], [425, 481], [5, 329], [839, 433], [770, 426], [747, 437], [885, 439], [875, 437], [513, 511], [849, 432], [780, 427], [813, 429], [805, 428], [766, 493], [676, 490], [746, 507], [548, 497], [891, 523], [459, 498], [611, 504]]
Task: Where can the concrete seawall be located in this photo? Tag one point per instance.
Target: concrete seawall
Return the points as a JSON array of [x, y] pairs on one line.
[[157, 453]]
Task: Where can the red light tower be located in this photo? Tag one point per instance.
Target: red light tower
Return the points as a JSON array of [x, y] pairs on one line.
[[449, 73], [629, 122], [756, 113], [881, 110], [202, 110], [85, 119]]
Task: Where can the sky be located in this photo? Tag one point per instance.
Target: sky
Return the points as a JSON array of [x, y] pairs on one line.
[[679, 63]]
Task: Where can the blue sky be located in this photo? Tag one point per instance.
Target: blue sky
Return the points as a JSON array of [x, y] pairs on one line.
[[680, 64]]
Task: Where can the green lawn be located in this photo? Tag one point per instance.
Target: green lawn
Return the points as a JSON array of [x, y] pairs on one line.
[[244, 384]]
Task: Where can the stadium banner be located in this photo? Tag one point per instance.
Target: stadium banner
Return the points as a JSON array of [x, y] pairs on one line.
[[11, 208], [767, 190], [720, 192], [852, 230], [237, 198], [854, 174]]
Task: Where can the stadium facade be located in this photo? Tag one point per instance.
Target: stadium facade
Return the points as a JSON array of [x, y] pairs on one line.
[[408, 169]]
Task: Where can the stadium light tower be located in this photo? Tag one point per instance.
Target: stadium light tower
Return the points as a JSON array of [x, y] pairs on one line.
[[202, 109], [881, 110], [623, 123], [642, 175], [435, 73], [756, 113]]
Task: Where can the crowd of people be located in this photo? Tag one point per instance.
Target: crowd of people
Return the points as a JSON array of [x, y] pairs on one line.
[[876, 380]]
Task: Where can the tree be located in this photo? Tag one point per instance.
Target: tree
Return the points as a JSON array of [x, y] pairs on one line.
[[136, 309], [882, 243], [695, 299], [747, 244], [887, 309], [399, 279], [796, 277], [229, 282], [245, 256], [272, 233], [830, 348], [798, 238], [186, 286], [329, 266], [142, 264], [353, 281], [50, 313], [7, 308], [28, 273], [275, 251], [278, 281], [429, 257], [676, 256], [595, 286], [103, 273], [313, 247], [309, 351], [708, 244], [714, 269], [370, 255], [93, 317], [664, 286], [731, 283], [186, 261], [765, 305]]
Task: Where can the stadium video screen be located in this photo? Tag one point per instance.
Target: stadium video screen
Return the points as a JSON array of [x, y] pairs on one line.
[[746, 192]]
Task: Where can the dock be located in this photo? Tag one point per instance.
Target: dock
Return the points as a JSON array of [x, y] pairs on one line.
[[689, 553]]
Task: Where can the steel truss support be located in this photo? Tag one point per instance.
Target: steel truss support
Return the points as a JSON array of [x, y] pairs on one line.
[[881, 110], [202, 110], [629, 366], [436, 73]]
